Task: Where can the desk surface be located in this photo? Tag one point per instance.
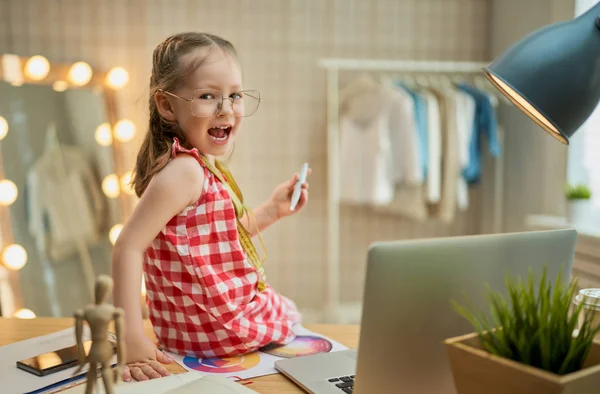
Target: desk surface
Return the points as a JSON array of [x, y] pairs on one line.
[[14, 330]]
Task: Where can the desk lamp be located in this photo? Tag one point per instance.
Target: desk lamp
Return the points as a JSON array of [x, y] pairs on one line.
[[553, 74]]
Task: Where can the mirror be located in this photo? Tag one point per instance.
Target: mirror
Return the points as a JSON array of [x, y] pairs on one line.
[[62, 192]]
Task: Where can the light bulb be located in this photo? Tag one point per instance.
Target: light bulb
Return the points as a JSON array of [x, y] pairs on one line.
[[3, 128], [80, 73], [24, 313], [60, 86], [124, 130], [37, 68], [114, 233], [103, 135], [126, 183], [8, 192], [143, 287], [14, 257], [110, 186], [117, 78]]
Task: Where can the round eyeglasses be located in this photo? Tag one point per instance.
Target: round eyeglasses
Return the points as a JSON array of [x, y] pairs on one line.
[[208, 103]]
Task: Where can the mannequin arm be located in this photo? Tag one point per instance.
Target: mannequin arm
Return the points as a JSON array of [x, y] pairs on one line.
[[79, 337]]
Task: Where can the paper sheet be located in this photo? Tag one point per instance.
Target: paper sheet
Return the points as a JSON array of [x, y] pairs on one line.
[[152, 386], [188, 382], [262, 362], [16, 381]]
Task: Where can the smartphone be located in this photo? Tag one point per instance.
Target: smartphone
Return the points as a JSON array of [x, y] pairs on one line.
[[58, 360]]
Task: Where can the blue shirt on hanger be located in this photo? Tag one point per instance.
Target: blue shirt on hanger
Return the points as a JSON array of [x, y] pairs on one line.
[[421, 120], [484, 124]]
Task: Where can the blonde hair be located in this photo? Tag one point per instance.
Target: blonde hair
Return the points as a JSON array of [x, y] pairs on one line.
[[168, 73]]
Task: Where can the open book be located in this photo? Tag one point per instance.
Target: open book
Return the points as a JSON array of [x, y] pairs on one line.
[[184, 383]]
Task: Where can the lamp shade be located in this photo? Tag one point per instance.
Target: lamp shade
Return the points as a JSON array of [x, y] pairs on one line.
[[553, 74]]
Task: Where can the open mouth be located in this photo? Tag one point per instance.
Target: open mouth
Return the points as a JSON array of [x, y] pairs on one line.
[[220, 133]]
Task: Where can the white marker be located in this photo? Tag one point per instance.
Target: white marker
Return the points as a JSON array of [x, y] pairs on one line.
[[298, 187]]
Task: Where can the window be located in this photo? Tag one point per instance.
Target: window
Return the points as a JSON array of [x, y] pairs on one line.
[[584, 149]]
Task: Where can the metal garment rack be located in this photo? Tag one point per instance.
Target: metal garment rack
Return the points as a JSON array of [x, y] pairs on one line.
[[333, 66]]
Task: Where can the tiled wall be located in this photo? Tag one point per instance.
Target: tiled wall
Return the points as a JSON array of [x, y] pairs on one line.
[[279, 43]]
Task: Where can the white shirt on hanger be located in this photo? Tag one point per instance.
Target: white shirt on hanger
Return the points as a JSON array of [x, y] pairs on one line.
[[404, 136], [434, 145], [465, 120], [65, 203], [367, 174]]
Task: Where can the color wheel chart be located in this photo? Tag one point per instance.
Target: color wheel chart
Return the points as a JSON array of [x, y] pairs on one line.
[[261, 362], [225, 365], [303, 345]]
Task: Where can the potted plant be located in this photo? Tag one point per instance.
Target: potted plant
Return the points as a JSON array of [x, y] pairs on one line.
[[578, 204], [527, 344]]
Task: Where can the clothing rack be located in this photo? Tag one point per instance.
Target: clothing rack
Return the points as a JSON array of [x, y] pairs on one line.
[[333, 66]]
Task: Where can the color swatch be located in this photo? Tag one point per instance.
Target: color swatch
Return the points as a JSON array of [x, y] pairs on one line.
[[222, 365], [303, 345]]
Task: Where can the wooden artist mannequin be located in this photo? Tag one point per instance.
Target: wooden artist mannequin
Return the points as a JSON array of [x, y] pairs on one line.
[[98, 316]]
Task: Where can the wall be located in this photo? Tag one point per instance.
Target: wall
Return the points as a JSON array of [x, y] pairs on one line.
[[279, 43], [535, 170]]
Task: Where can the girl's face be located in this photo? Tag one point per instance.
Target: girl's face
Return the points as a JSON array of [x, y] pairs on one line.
[[212, 136]]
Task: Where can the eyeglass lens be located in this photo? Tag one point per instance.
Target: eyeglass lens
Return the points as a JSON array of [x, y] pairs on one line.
[[207, 103]]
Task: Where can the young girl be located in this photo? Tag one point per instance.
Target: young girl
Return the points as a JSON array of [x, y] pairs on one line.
[[206, 289]]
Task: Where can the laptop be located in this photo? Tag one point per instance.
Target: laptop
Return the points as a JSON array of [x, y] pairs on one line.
[[407, 314]]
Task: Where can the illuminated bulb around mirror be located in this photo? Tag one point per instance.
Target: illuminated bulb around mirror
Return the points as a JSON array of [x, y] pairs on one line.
[[124, 130], [114, 233], [37, 68], [117, 78], [3, 128], [110, 186], [8, 192], [60, 86], [14, 257], [126, 183], [103, 135], [80, 73], [24, 313]]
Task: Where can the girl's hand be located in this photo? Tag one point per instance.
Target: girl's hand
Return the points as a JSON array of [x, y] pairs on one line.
[[281, 199], [144, 361]]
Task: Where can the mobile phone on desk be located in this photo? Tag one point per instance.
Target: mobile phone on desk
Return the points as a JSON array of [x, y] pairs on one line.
[[54, 361]]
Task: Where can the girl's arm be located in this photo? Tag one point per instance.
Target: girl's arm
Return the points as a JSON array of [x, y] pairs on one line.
[[262, 217], [276, 207], [178, 185]]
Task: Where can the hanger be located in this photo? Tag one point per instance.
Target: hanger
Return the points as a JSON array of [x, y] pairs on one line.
[[484, 86], [51, 137], [440, 80], [407, 80], [422, 80]]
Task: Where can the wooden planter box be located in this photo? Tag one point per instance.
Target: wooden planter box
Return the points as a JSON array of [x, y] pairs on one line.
[[476, 371]]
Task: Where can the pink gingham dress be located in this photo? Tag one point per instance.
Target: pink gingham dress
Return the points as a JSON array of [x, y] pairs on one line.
[[201, 289]]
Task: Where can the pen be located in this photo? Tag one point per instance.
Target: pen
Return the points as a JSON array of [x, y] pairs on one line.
[[298, 187], [63, 384]]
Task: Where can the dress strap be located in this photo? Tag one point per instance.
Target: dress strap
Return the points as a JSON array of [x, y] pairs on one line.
[[177, 148]]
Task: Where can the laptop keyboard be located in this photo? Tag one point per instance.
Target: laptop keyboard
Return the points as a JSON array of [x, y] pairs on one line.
[[344, 383]]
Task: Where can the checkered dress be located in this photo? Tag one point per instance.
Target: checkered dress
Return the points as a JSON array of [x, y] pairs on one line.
[[201, 289]]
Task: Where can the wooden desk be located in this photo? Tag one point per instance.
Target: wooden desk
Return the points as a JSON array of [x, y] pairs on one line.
[[14, 330]]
